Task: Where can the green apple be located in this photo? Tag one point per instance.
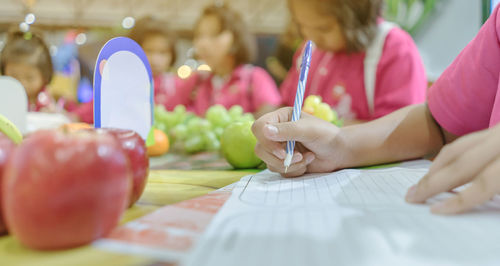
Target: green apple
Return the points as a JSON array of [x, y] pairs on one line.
[[238, 144]]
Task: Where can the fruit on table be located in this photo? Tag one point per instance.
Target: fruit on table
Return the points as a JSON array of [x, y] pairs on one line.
[[218, 116], [313, 101], [10, 130], [325, 112], [235, 112], [313, 105], [6, 148], [194, 144], [135, 149], [238, 144], [190, 133], [65, 189], [161, 144]]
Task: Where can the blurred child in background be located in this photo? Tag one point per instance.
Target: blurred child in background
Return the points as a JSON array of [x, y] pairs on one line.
[[362, 66], [26, 58], [223, 41], [158, 43]]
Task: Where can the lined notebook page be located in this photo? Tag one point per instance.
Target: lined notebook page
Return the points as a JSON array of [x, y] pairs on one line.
[[351, 217]]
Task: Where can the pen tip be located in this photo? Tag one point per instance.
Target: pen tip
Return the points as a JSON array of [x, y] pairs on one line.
[[286, 169]]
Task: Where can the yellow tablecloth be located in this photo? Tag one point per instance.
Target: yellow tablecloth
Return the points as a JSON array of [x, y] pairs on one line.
[[164, 187]]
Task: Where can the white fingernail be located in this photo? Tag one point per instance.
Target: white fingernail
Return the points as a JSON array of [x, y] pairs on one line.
[[272, 129]]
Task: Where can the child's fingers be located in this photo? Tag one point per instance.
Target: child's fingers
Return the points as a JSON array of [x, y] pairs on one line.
[[272, 161], [276, 148], [484, 187], [294, 170], [298, 131], [280, 115], [451, 151], [459, 171]]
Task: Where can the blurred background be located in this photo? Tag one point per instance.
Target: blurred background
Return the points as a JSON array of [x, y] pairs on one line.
[[79, 28]]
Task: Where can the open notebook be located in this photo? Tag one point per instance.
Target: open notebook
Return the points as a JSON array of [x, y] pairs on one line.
[[350, 217]]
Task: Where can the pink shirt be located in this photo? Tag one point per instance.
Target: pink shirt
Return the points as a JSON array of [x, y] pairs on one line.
[[170, 91], [339, 79], [248, 86], [466, 98]]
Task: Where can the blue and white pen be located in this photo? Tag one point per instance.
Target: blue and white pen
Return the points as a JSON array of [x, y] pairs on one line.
[[299, 99]]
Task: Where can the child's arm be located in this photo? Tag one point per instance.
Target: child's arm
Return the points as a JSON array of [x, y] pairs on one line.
[[405, 134]]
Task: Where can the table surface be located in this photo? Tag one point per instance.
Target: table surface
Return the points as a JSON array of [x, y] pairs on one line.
[[164, 188]]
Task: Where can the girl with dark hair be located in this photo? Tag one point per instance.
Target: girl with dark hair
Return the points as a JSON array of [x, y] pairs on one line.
[[223, 41], [26, 58], [363, 66]]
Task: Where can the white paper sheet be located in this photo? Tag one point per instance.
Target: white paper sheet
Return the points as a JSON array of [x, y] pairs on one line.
[[351, 217]]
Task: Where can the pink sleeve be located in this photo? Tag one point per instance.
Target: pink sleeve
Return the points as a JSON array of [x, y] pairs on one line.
[[264, 90], [401, 78], [289, 85], [462, 99]]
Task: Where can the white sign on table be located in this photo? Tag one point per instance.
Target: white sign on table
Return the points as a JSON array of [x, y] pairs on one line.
[[14, 102], [123, 88]]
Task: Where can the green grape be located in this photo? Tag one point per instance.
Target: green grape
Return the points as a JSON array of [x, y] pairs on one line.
[[170, 120], [186, 117], [235, 112], [248, 117], [193, 126], [160, 113], [213, 145], [180, 109], [194, 144], [159, 109], [218, 131], [180, 132], [205, 125], [218, 116], [211, 141], [161, 127]]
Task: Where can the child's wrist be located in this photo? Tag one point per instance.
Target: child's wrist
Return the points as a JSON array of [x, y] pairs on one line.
[[343, 152]]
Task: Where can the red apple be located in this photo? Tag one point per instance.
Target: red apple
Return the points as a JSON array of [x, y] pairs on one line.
[[6, 148], [135, 148], [64, 189]]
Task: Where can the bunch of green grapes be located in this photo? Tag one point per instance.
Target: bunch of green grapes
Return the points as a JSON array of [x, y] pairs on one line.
[[190, 133], [314, 106]]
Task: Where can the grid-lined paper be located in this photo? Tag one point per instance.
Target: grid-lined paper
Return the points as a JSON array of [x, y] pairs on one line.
[[351, 217], [348, 187]]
